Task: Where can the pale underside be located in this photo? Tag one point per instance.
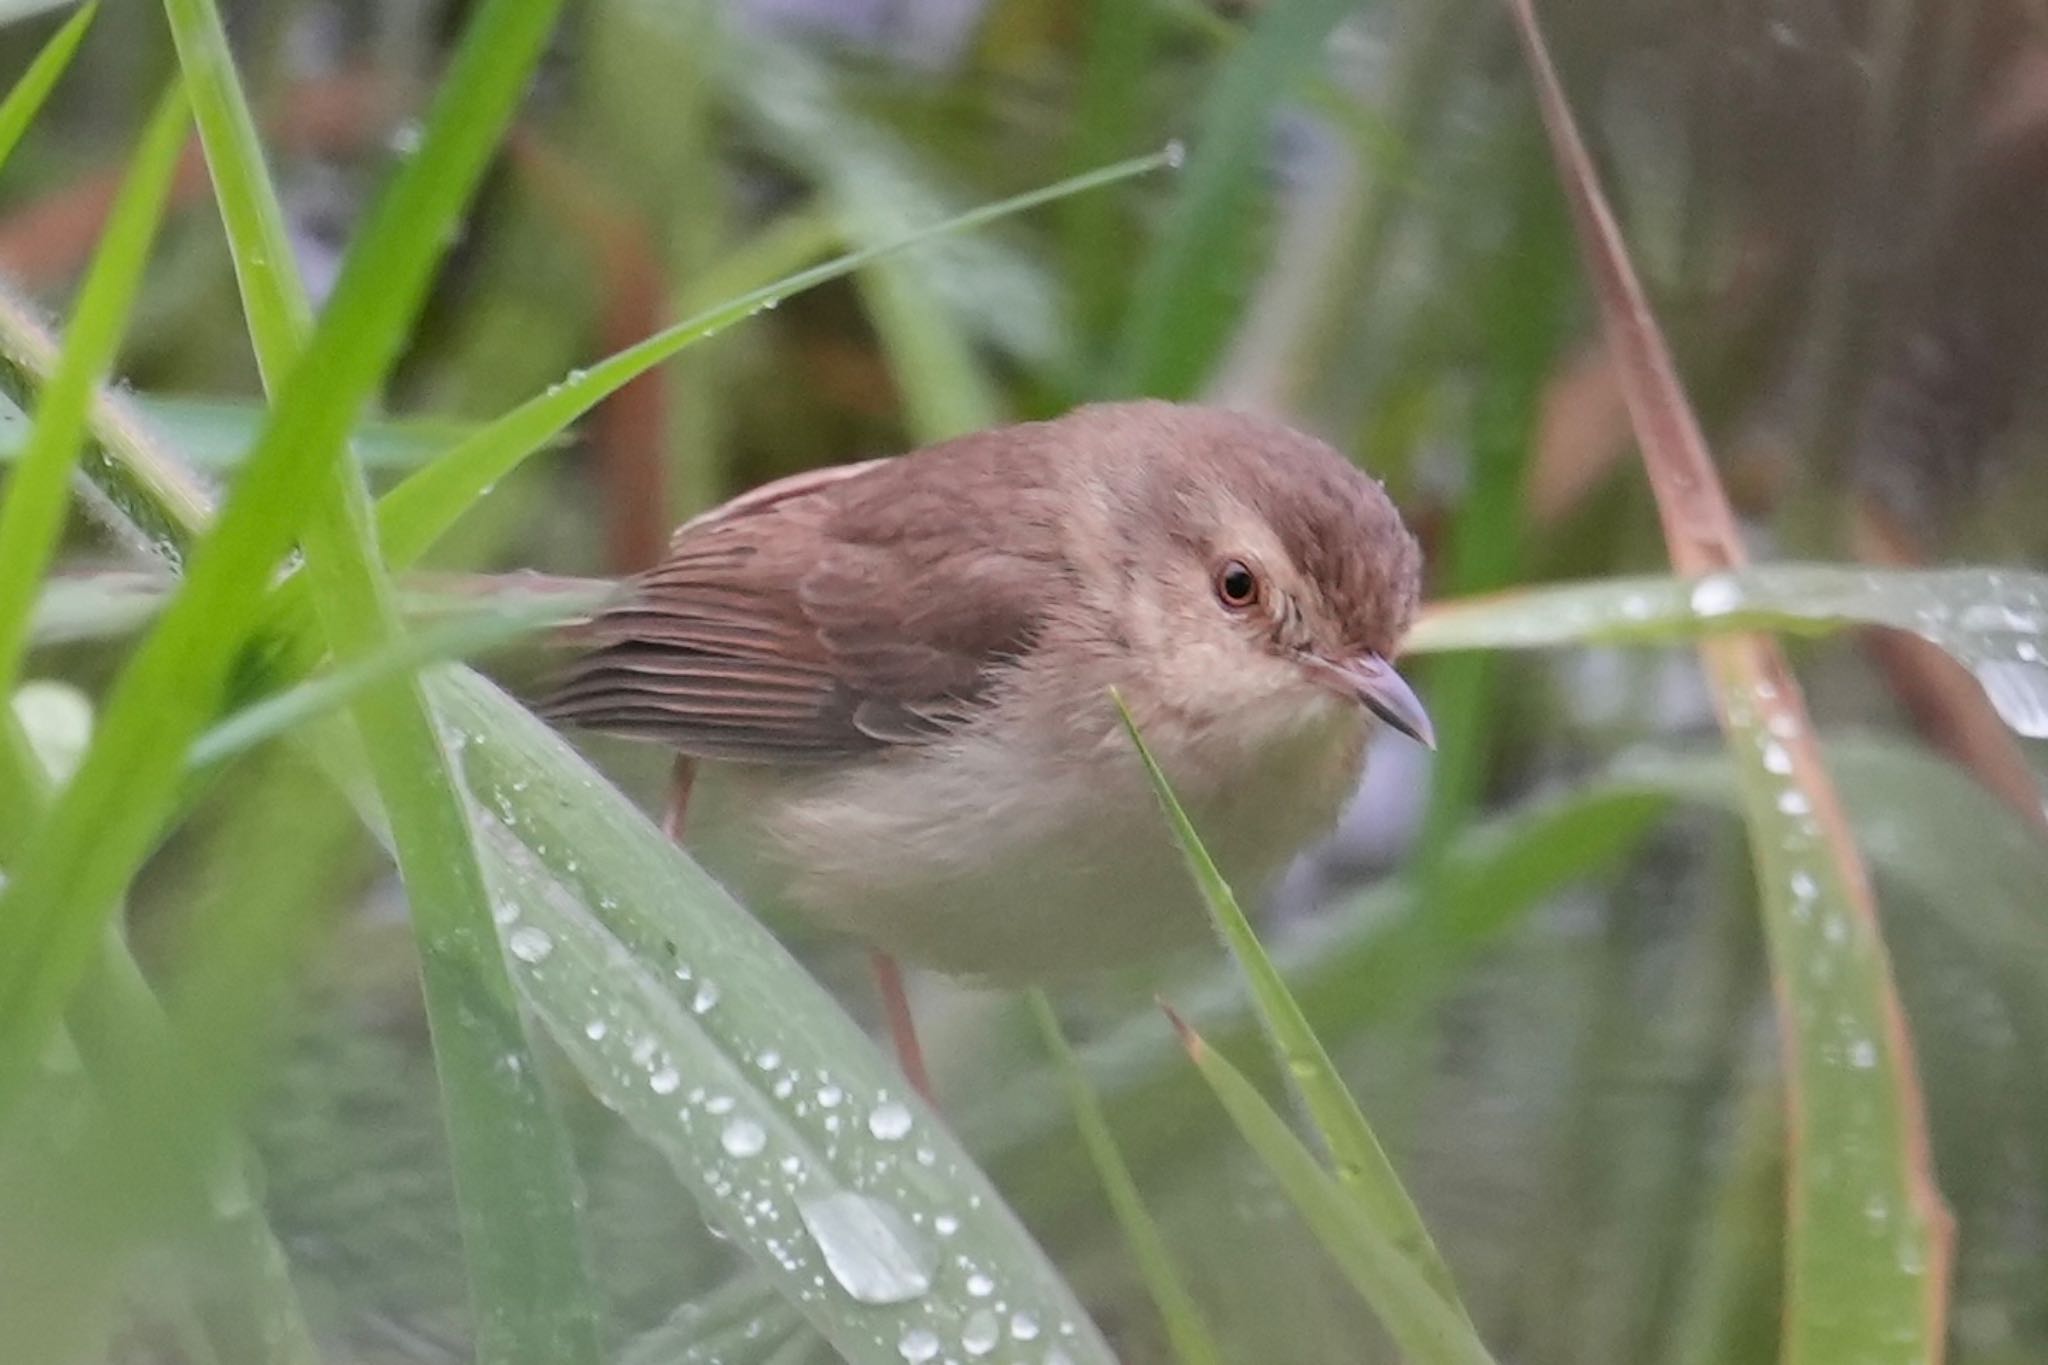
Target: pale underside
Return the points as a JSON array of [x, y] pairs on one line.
[[958, 858]]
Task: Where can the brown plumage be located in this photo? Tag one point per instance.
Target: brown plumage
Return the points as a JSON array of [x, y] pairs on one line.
[[876, 654]]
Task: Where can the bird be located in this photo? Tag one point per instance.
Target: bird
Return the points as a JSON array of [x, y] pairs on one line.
[[898, 679]]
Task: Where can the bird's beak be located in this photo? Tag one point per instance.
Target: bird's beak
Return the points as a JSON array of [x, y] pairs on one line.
[[1387, 695]]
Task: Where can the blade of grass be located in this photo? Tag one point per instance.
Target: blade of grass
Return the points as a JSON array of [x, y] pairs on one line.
[[215, 433], [406, 653], [1364, 1173], [1422, 1324], [1859, 1286], [416, 513], [1189, 1335], [516, 1187], [681, 1011], [38, 494], [25, 100], [103, 825], [1188, 289]]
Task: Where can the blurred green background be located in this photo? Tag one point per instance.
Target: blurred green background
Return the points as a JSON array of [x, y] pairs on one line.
[[1536, 957]]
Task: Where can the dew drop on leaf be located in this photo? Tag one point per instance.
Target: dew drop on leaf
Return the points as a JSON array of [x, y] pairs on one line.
[[742, 1138], [889, 1121], [981, 1333], [530, 944], [869, 1248]]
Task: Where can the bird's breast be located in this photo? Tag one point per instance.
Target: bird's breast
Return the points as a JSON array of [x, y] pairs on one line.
[[984, 858]]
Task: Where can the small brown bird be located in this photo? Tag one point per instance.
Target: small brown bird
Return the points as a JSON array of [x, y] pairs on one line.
[[900, 673]]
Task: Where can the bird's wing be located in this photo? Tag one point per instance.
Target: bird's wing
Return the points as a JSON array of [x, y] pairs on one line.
[[825, 619]]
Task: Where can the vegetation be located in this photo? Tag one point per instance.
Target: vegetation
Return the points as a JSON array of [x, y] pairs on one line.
[[348, 1014]]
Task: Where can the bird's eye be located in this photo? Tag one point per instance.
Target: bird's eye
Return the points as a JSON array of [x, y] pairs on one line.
[[1236, 584]]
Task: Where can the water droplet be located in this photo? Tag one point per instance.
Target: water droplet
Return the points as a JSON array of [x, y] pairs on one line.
[[981, 1333], [1175, 154], [1863, 1054], [830, 1095], [768, 1060], [643, 1052], [595, 1030], [918, 1345], [1804, 887], [1023, 1326], [405, 138], [530, 944], [504, 913], [889, 1121], [1716, 595], [2019, 693], [664, 1081], [1998, 616], [945, 1225], [743, 1138], [1792, 801], [718, 1104], [870, 1249], [706, 997], [1777, 758], [980, 1285]]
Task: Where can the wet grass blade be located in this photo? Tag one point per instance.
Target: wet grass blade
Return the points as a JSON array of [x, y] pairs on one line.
[[516, 1186], [1426, 1327], [684, 1014], [38, 494], [459, 638], [1869, 1241], [1364, 1173], [1186, 1331]]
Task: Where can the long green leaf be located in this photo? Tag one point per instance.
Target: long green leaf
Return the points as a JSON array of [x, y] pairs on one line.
[[685, 1015], [53, 908], [1185, 1329], [1427, 1328], [215, 434], [32, 516], [417, 512], [460, 637], [1364, 1173], [1994, 621], [25, 100], [515, 1181]]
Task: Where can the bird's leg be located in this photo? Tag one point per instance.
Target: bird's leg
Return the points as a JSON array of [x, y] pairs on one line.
[[679, 782], [902, 1027], [888, 976]]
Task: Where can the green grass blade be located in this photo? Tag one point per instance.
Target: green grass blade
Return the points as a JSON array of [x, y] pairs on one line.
[[38, 495], [1994, 621], [416, 513], [1192, 1342], [274, 304], [104, 823], [25, 100], [685, 1014], [461, 637], [1423, 1325], [214, 434], [1364, 1173], [516, 1186], [1189, 288]]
